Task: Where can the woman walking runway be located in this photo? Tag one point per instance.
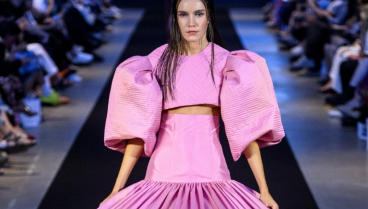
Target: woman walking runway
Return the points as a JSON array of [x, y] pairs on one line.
[[179, 91]]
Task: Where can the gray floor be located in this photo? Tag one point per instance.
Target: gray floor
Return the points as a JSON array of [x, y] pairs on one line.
[[332, 159], [28, 174]]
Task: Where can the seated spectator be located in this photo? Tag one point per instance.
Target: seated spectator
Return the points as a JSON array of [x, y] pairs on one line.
[[329, 39], [31, 64], [84, 26], [342, 54], [13, 137], [320, 28], [20, 72], [37, 50], [57, 31], [351, 77]]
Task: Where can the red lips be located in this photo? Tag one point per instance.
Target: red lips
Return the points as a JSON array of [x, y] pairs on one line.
[[192, 32]]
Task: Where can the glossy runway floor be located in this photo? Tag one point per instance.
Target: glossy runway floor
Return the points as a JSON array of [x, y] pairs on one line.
[[331, 158]]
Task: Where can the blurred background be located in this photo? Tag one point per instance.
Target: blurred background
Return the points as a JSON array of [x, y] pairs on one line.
[[57, 59]]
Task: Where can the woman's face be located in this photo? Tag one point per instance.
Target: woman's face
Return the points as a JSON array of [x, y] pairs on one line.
[[192, 20]]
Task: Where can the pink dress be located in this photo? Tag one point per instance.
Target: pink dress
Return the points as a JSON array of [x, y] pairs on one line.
[[187, 168]]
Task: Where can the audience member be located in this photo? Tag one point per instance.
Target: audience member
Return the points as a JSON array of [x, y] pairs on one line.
[[40, 44], [327, 38]]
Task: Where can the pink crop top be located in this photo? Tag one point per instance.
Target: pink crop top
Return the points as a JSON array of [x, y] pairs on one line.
[[243, 89]]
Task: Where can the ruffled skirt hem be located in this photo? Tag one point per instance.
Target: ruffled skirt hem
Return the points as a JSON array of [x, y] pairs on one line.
[[169, 195]]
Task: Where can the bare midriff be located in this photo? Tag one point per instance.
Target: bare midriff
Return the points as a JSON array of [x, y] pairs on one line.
[[195, 110]]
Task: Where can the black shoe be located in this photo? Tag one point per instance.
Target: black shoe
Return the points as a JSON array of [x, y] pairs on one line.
[[348, 121], [288, 42], [97, 58], [24, 109], [310, 73], [338, 99], [62, 84], [295, 69], [294, 58], [3, 158], [323, 81]]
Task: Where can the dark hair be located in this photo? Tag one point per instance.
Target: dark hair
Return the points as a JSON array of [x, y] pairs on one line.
[[8, 28], [170, 58]]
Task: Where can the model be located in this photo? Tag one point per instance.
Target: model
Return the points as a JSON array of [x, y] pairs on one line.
[[179, 92]]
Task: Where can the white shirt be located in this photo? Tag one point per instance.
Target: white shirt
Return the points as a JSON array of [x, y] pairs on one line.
[[40, 5]]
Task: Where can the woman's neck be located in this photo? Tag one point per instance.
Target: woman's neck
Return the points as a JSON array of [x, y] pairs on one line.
[[193, 48]]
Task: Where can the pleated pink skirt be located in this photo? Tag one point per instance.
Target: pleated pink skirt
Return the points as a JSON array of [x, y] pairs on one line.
[[187, 170]]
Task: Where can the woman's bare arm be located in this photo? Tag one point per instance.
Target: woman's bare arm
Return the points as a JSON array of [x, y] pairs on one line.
[[50, 6], [317, 10], [253, 155], [133, 151]]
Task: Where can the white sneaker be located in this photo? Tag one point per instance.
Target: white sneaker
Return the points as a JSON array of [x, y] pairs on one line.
[[362, 131], [3, 144], [76, 78], [117, 15], [109, 28], [334, 113], [349, 110], [303, 62], [115, 9], [77, 48], [82, 58], [297, 50], [270, 24], [113, 12], [96, 35]]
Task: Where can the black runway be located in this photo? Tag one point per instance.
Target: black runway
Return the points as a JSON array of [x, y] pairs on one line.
[[88, 172]]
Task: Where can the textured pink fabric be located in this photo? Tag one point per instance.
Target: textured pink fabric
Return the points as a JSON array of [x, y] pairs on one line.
[[243, 89], [186, 171], [194, 84], [135, 105], [166, 195], [188, 150], [248, 103]]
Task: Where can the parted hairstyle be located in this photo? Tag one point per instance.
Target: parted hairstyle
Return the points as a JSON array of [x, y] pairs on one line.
[[170, 59]]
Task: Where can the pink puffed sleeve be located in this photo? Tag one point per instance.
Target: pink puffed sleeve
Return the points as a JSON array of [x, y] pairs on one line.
[[135, 105], [248, 103]]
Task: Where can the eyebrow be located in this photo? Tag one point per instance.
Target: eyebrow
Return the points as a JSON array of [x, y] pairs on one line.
[[202, 10]]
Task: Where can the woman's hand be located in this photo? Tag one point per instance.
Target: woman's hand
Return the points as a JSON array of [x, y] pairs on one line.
[[48, 20], [354, 57], [133, 151], [253, 155], [107, 198], [268, 200]]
